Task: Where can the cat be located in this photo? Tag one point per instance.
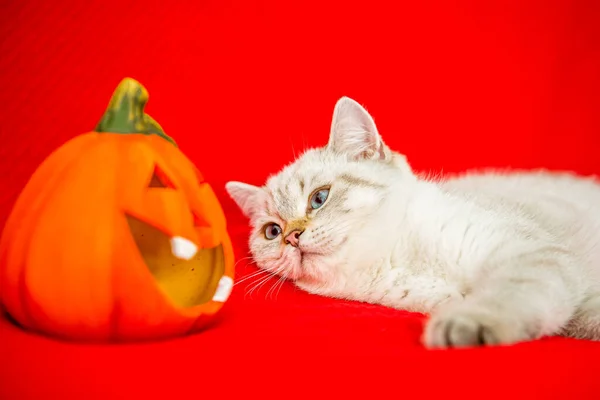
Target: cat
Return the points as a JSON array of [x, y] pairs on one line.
[[492, 258]]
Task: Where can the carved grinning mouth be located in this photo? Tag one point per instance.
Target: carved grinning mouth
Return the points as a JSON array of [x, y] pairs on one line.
[[188, 276]]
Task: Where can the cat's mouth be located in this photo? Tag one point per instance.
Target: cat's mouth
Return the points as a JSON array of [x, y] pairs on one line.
[[302, 267], [188, 276]]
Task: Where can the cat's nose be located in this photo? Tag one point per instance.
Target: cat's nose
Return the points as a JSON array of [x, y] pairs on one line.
[[293, 237]]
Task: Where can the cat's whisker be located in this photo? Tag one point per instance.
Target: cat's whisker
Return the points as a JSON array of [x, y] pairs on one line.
[[271, 288], [282, 274], [262, 281], [242, 259], [282, 282], [251, 262], [279, 270], [250, 276], [270, 291], [276, 272], [292, 143], [303, 139]]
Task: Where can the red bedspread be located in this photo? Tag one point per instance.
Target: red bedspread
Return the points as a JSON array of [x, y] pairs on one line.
[[242, 85]]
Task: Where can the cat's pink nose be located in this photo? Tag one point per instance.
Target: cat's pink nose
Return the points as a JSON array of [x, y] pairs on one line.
[[293, 237]]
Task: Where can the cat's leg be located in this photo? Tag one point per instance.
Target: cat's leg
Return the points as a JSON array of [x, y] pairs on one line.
[[510, 304], [585, 324]]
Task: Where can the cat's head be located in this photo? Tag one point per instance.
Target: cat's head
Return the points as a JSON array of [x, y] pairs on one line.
[[312, 210]]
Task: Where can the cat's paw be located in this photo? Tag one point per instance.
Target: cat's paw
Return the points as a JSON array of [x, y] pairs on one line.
[[472, 326]]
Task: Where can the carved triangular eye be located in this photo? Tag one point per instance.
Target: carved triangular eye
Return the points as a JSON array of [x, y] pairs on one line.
[[159, 179]]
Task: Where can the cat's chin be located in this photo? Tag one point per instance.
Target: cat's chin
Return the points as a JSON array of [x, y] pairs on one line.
[[311, 270]]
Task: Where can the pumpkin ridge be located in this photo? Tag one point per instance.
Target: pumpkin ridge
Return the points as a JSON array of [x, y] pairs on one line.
[[42, 199], [29, 209], [125, 112], [37, 309]]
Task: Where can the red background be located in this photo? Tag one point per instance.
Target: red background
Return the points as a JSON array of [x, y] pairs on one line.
[[241, 85]]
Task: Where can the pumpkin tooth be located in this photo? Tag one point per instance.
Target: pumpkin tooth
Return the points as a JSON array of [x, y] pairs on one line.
[[183, 248], [224, 289]]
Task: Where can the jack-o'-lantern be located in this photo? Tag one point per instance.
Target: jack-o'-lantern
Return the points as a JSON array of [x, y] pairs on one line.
[[116, 236]]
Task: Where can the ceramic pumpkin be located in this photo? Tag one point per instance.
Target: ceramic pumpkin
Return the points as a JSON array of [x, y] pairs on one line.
[[116, 236]]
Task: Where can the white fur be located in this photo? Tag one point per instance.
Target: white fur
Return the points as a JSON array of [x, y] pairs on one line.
[[495, 258]]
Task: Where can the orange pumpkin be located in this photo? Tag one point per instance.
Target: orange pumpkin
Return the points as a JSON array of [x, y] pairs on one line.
[[116, 236]]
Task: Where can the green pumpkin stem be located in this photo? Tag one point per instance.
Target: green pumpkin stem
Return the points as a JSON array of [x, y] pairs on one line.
[[125, 112]]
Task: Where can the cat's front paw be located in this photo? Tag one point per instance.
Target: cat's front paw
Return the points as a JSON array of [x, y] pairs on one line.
[[465, 326]]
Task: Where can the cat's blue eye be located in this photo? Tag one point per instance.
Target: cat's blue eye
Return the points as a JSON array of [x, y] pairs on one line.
[[272, 231], [318, 198]]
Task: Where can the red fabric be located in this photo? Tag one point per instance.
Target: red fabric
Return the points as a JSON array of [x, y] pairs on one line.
[[243, 84]]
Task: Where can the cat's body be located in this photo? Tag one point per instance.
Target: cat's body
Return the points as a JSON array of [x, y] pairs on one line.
[[432, 241], [494, 258]]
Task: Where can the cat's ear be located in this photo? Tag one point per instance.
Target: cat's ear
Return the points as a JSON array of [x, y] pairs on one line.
[[249, 198], [353, 132]]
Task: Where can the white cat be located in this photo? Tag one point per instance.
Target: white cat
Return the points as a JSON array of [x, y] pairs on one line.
[[494, 258]]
